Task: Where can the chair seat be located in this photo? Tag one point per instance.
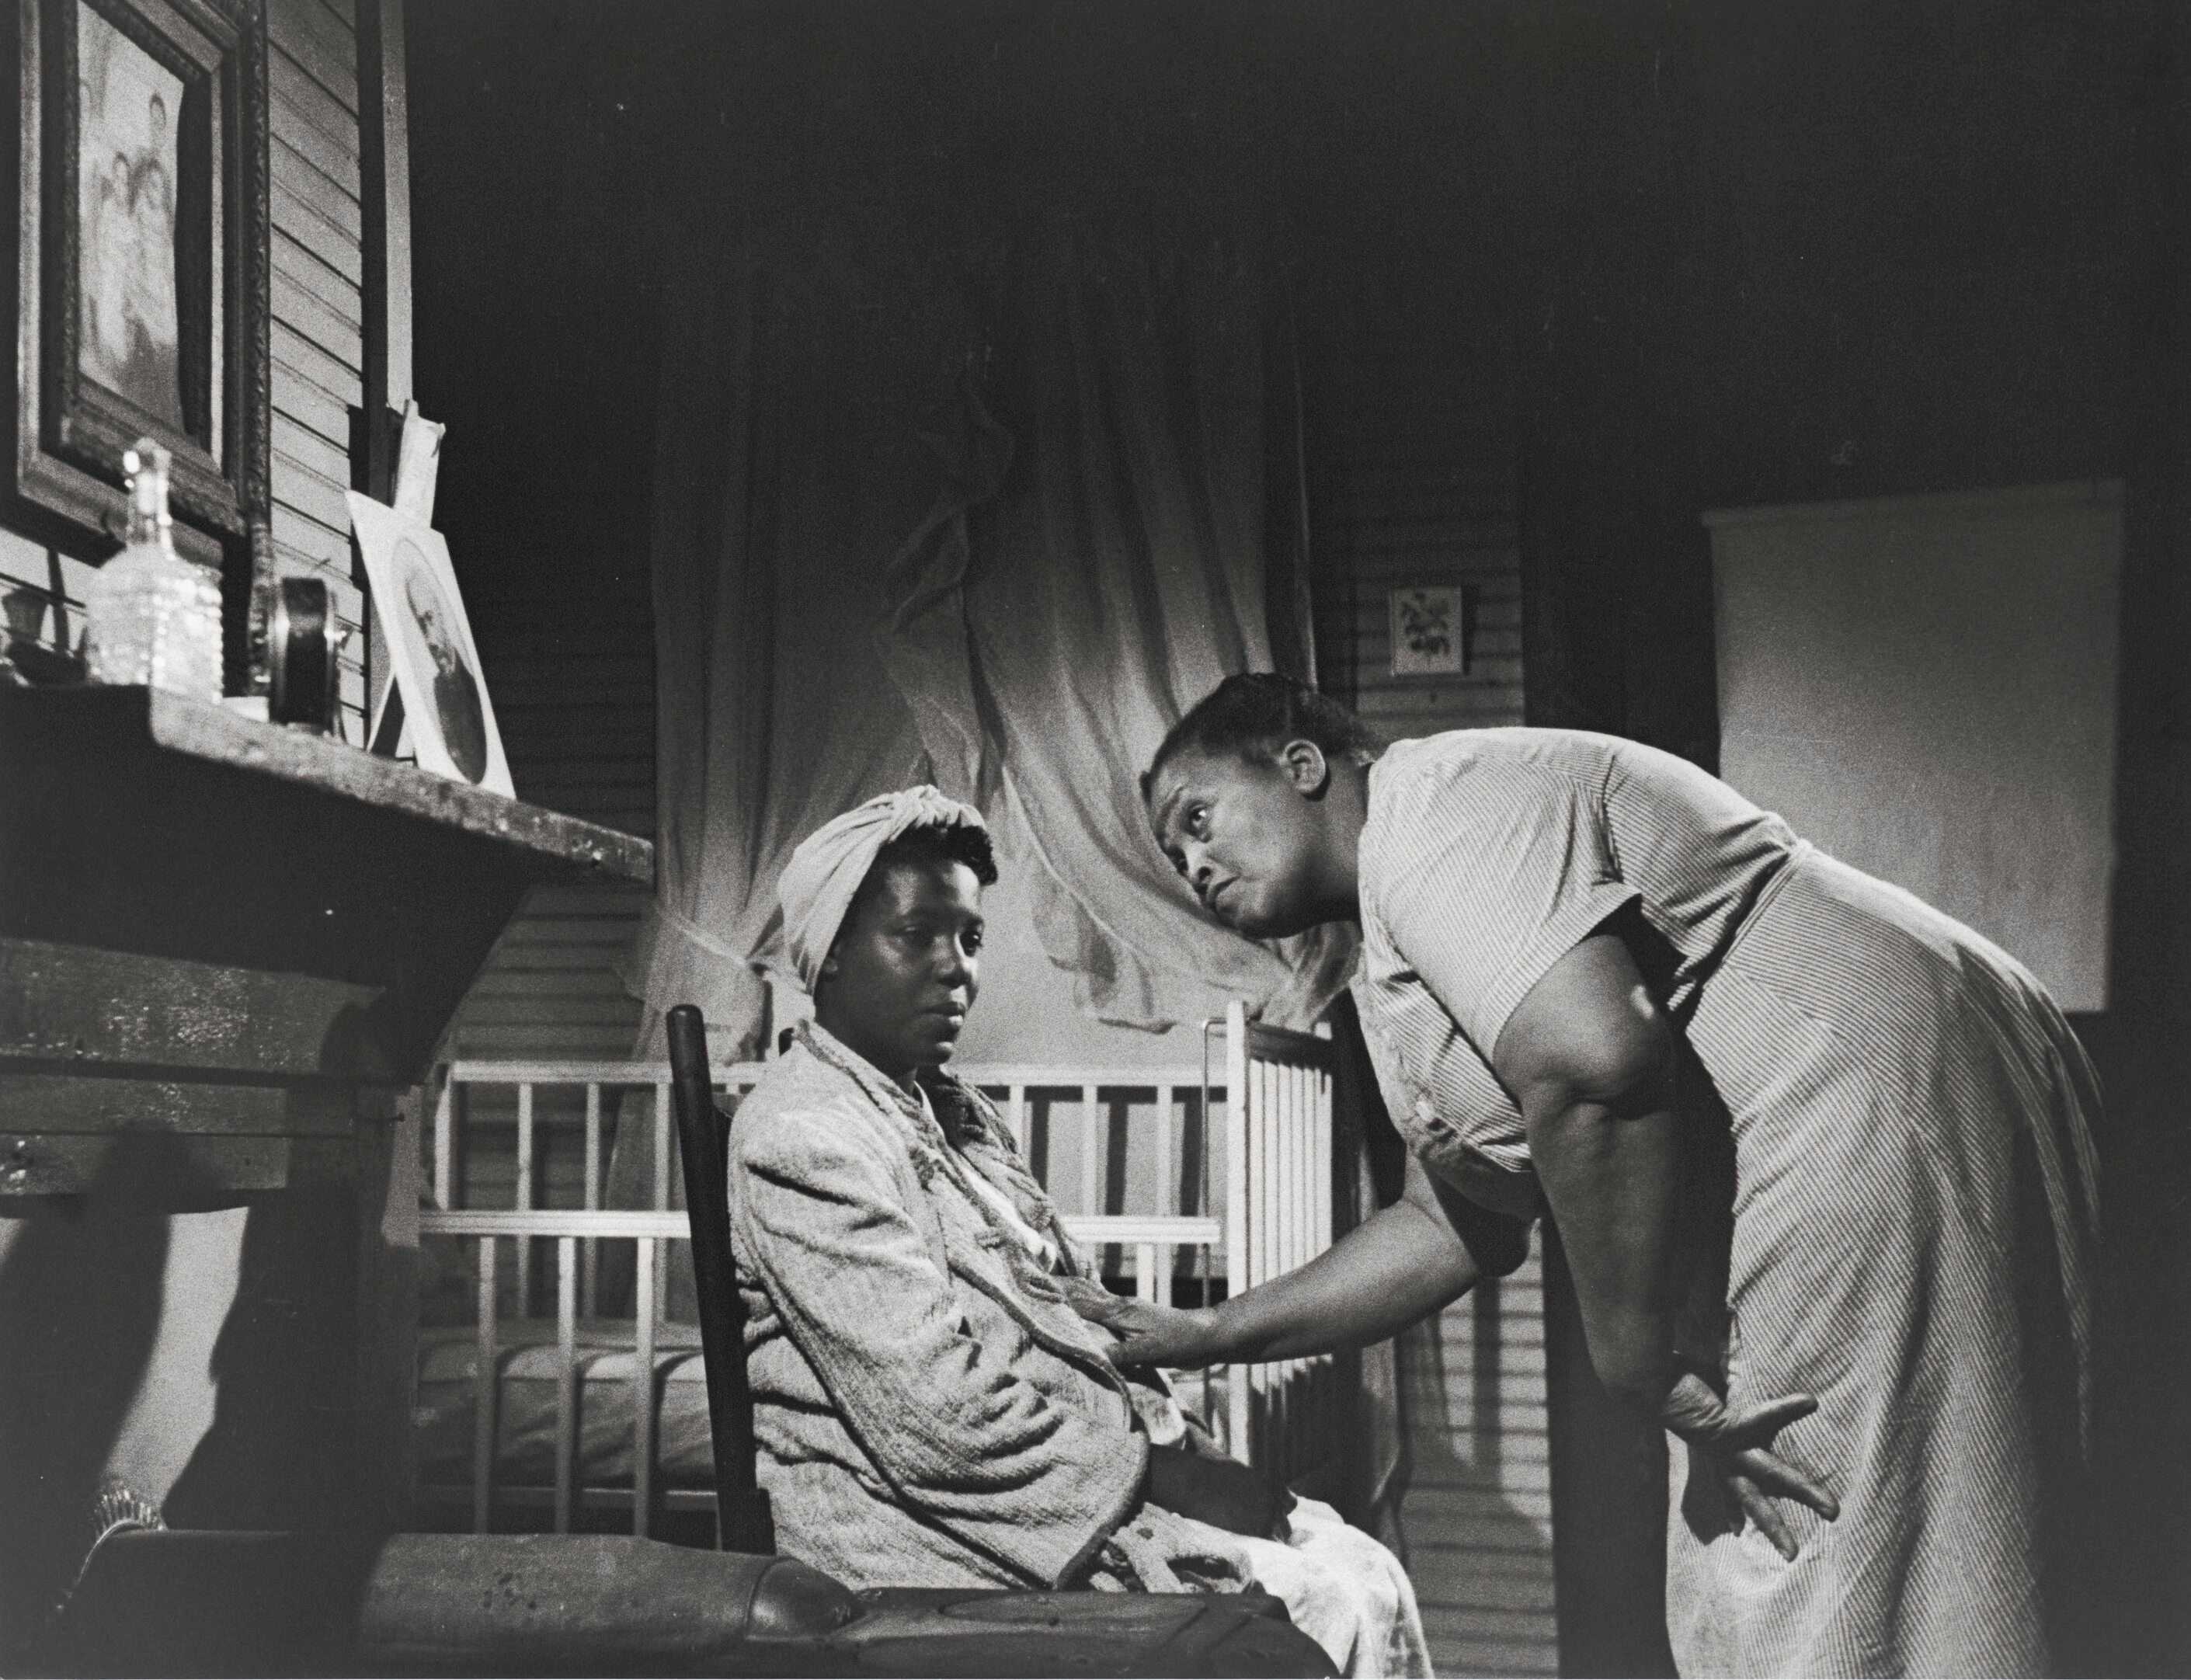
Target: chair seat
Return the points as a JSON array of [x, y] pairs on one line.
[[162, 1601]]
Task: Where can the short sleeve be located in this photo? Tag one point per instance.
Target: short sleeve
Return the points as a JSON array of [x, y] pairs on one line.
[[1488, 871]]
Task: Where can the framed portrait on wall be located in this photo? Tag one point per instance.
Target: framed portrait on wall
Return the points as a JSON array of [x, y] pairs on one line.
[[430, 651], [139, 269]]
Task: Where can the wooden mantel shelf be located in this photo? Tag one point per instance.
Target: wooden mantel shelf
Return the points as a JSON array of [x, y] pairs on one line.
[[227, 931], [114, 732]]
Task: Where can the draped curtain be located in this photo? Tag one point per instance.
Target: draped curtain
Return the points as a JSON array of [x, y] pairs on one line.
[[787, 470], [986, 503], [988, 499]]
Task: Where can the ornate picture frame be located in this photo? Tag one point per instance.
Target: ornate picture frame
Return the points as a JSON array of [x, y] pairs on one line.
[[140, 268]]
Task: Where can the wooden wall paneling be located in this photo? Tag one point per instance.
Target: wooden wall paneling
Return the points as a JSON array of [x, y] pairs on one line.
[[392, 1303], [309, 492], [1412, 481], [559, 603], [324, 49], [1478, 1517], [330, 325], [384, 90], [308, 391], [552, 985], [328, 357], [319, 127], [328, 222], [318, 311], [313, 276], [578, 727]]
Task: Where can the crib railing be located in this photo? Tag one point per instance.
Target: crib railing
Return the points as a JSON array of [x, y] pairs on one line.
[[568, 1228], [1279, 1217], [1276, 1214]]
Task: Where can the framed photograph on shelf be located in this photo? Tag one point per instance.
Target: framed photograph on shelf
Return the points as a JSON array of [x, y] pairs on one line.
[[139, 269], [1430, 631], [430, 651]]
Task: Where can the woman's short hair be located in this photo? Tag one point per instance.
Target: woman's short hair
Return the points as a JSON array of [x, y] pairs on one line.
[[943, 843], [1255, 713], [935, 843]]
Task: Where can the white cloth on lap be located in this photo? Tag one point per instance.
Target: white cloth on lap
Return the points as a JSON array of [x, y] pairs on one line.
[[1346, 1590]]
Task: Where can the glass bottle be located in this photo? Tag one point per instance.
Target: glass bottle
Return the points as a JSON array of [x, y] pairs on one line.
[[150, 617]]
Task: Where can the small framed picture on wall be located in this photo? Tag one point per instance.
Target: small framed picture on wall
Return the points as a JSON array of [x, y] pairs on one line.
[[1430, 631]]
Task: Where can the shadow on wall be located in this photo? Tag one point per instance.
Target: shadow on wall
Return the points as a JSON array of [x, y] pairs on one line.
[[82, 1282], [103, 1366], [281, 1449], [312, 1368]]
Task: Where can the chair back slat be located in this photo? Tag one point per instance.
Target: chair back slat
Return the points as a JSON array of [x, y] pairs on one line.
[[744, 1521]]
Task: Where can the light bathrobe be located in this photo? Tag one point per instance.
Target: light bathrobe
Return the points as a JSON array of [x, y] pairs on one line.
[[929, 1413], [1890, 1176]]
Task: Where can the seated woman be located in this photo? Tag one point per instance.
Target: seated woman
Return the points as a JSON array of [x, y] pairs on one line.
[[930, 1410]]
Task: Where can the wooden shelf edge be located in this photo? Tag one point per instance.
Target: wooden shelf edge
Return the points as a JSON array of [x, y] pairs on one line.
[[126, 720]]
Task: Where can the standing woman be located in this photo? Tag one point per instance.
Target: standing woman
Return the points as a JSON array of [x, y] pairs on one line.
[[1819, 1157]]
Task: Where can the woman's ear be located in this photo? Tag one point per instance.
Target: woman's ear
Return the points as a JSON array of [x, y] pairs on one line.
[[1306, 768]]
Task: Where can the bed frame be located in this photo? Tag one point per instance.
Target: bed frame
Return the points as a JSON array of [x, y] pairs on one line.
[[1277, 1213]]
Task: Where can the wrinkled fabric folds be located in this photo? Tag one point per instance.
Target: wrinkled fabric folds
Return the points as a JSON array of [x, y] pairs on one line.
[[818, 884], [985, 503]]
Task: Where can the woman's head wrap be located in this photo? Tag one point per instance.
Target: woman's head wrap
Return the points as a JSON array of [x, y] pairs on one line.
[[825, 871]]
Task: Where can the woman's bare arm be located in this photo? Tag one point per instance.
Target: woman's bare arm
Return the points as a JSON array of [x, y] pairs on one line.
[[1589, 1057], [1403, 1263]]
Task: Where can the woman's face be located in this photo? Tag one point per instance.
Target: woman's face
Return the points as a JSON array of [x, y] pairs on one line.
[[1244, 836], [897, 983]]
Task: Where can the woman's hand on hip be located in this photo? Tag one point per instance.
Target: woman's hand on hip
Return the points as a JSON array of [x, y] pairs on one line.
[[1182, 1338], [1736, 1445]]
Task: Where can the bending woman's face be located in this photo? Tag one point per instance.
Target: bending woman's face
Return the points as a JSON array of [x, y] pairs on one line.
[[897, 985], [1243, 836]]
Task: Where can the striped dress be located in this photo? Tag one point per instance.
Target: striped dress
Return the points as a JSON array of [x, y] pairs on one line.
[[1889, 1178]]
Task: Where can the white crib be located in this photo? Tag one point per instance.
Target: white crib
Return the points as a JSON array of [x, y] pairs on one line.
[[577, 1412]]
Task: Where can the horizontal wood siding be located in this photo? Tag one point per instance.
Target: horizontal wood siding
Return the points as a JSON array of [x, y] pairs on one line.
[[1412, 482], [572, 685], [1478, 1516], [1410, 451], [318, 308]]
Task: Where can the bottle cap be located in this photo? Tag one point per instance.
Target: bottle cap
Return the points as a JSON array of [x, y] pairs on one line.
[[147, 467]]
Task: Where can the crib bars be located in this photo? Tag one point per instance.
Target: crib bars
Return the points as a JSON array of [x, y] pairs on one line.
[[1277, 1215]]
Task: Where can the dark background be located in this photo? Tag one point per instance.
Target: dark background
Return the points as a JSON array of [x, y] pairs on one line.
[[1732, 251]]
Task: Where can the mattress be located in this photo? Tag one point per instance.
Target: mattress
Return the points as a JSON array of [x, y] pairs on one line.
[[607, 1361], [524, 1421]]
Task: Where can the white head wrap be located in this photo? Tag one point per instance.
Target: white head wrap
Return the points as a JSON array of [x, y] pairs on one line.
[[825, 871]]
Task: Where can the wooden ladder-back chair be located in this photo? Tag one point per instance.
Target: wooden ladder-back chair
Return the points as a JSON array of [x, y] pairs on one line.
[[933, 1630], [744, 1522]]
